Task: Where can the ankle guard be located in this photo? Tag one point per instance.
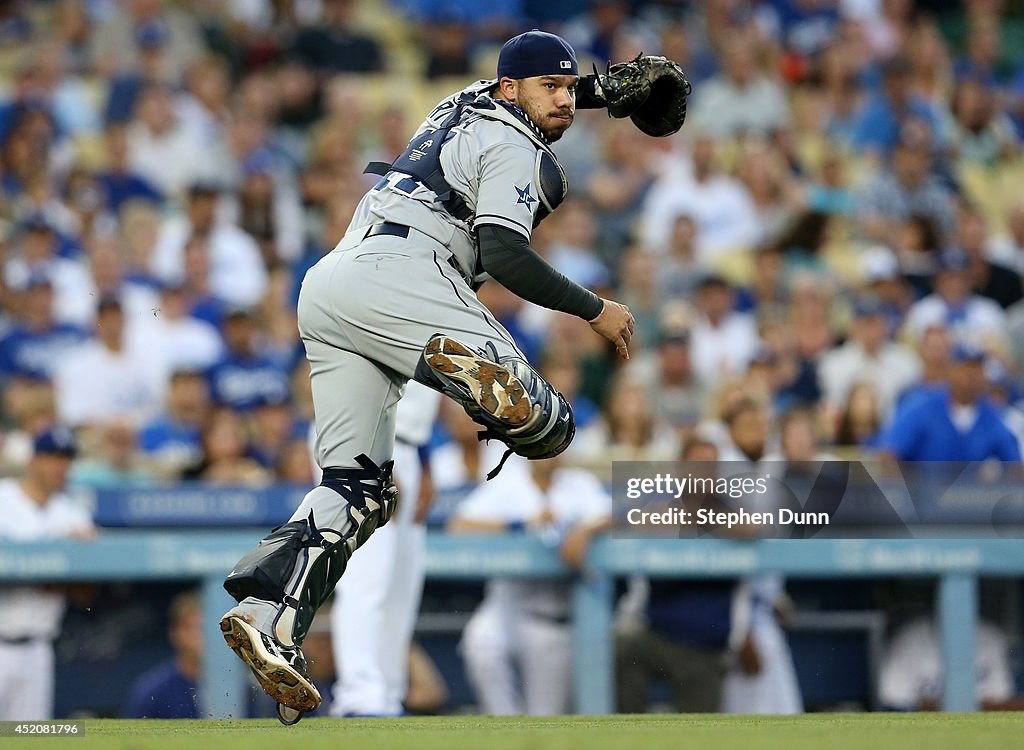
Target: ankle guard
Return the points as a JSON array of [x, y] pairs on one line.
[[298, 564]]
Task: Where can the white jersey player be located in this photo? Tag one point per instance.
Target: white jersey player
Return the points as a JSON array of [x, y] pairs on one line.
[[34, 508], [375, 606], [911, 675], [522, 627]]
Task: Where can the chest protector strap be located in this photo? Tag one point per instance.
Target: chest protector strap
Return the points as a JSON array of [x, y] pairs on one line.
[[421, 160]]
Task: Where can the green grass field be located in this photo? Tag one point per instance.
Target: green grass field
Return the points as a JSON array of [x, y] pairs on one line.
[[653, 732]]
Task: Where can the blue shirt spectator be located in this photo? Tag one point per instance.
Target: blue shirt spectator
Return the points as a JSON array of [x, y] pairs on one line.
[[151, 40], [34, 353], [246, 377], [118, 181], [925, 431], [120, 188], [879, 124], [165, 435], [242, 382], [173, 440], [806, 27], [209, 309], [952, 423], [473, 11], [33, 347]]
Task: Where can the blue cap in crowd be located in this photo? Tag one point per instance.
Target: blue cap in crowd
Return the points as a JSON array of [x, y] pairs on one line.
[[954, 260], [37, 222], [677, 335], [108, 302], [151, 35], [868, 306], [968, 353], [712, 279], [58, 441], [536, 53], [259, 161], [37, 279]]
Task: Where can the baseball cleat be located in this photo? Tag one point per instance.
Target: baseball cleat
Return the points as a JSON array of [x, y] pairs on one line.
[[492, 387], [280, 670], [288, 716]]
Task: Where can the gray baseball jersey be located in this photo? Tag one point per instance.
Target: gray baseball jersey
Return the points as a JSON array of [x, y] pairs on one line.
[[496, 161], [367, 309]]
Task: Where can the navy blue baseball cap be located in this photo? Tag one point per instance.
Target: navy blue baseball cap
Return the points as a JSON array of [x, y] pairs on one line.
[[108, 302], [954, 259], [536, 53], [38, 279], [37, 222], [151, 35], [868, 306], [56, 441], [966, 352]]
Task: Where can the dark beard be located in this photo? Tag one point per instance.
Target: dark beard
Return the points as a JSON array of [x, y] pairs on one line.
[[552, 137]]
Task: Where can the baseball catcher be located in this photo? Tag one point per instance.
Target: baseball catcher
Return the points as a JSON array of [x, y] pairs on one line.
[[395, 301]]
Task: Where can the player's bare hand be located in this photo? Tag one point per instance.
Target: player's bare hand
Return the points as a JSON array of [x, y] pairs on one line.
[[750, 656], [615, 322], [425, 498]]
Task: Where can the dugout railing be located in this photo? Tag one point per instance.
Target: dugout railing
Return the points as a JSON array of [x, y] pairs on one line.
[[206, 556]]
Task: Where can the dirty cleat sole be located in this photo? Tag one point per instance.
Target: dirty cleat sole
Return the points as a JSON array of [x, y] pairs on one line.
[[276, 676], [493, 387]]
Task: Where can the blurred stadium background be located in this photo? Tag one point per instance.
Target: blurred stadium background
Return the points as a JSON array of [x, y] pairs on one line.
[[839, 223]]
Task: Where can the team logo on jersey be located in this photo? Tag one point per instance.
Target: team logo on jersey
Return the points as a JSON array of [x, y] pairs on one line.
[[524, 196]]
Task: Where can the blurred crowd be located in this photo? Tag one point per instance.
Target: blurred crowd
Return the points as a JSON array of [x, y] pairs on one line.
[[837, 231], [825, 261]]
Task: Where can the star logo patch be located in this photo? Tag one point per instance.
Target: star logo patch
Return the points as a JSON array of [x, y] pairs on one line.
[[524, 196]]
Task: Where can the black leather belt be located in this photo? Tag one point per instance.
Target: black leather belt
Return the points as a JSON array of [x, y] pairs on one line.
[[401, 230], [552, 619], [389, 228]]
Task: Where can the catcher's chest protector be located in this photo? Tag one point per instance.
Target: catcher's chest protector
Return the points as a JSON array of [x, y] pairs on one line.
[[421, 160], [551, 184]]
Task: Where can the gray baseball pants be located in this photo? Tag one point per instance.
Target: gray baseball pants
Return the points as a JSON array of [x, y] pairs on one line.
[[366, 310]]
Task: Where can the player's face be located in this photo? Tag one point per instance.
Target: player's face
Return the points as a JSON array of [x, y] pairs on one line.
[[52, 471], [967, 381], [549, 101]]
